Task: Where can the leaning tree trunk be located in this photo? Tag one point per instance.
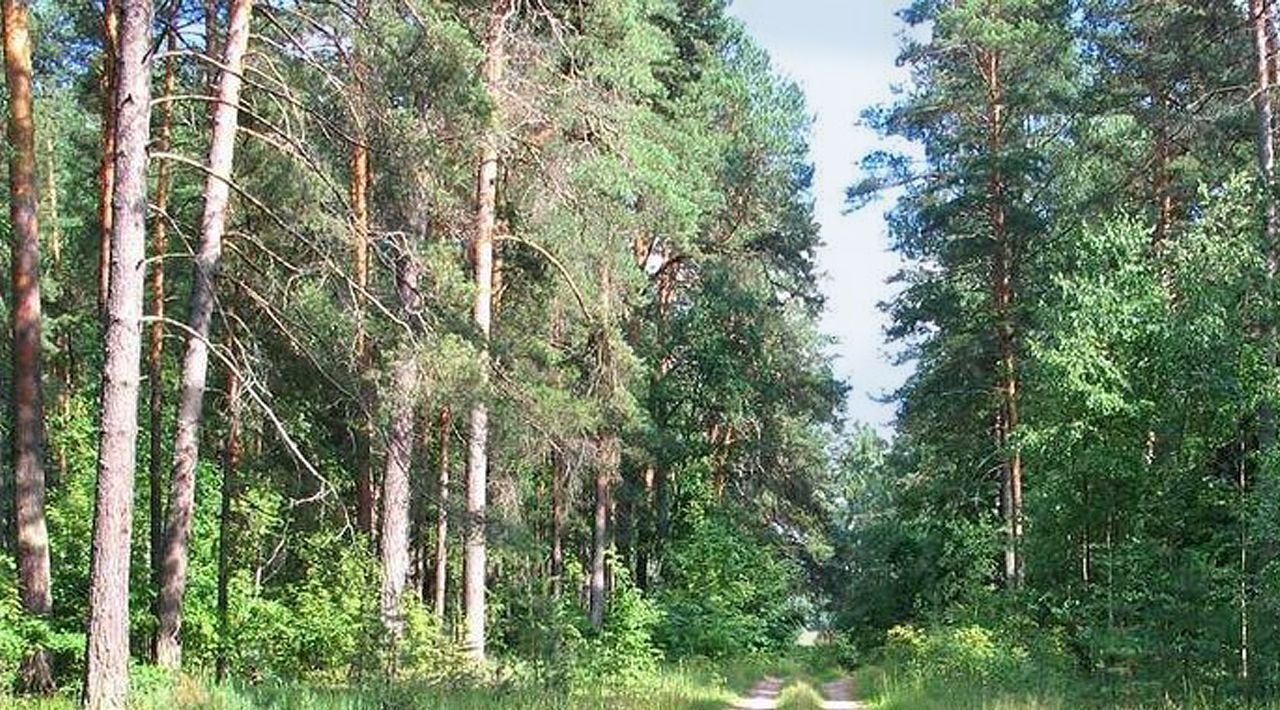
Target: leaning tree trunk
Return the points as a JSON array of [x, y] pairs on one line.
[[482, 257], [107, 674], [28, 402], [195, 361], [442, 515]]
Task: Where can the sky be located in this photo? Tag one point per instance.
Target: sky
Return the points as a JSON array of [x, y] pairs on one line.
[[842, 54]]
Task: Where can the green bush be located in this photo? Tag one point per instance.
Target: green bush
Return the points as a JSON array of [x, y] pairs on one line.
[[321, 626], [20, 632], [623, 654], [728, 592], [426, 657], [12, 642]]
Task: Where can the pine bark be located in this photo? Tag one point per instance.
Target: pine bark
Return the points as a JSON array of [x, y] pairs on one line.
[[106, 681], [1003, 297], [442, 515], [475, 552], [107, 167], [395, 497], [155, 345], [1264, 103], [195, 361], [1263, 100], [366, 497], [366, 492], [28, 400], [395, 479]]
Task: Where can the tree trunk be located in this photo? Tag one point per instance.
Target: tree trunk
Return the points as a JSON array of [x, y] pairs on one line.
[[662, 484], [395, 498], [107, 168], [608, 461], [442, 515], [195, 361], [606, 473], [107, 673], [482, 259], [1264, 47], [211, 47], [1242, 491], [559, 478], [155, 349], [28, 401], [231, 455], [1263, 101], [645, 520], [1003, 298], [1264, 104], [366, 495], [51, 195]]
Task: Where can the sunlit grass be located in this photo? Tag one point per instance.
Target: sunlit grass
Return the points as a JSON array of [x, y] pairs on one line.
[[800, 696], [693, 685], [887, 689]]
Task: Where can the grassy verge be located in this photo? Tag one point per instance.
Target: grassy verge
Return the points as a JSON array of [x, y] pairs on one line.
[[691, 685], [887, 688], [800, 695]]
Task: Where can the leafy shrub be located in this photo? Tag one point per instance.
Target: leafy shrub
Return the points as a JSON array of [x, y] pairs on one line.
[[974, 653], [728, 592], [20, 632], [623, 654], [321, 626], [425, 656], [12, 642]]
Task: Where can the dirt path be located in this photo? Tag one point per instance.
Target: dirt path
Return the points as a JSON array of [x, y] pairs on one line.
[[762, 696], [838, 695]]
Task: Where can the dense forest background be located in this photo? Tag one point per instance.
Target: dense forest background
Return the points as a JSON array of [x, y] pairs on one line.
[[466, 345]]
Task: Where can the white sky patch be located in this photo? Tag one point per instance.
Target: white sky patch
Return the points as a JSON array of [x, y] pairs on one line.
[[842, 54]]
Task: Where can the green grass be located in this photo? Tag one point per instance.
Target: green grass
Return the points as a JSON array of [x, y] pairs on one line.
[[891, 689], [694, 685], [698, 684], [800, 696]]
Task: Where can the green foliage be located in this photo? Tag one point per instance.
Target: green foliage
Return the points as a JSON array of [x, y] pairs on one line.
[[1138, 327], [324, 626], [623, 654], [13, 642], [728, 593], [658, 284]]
